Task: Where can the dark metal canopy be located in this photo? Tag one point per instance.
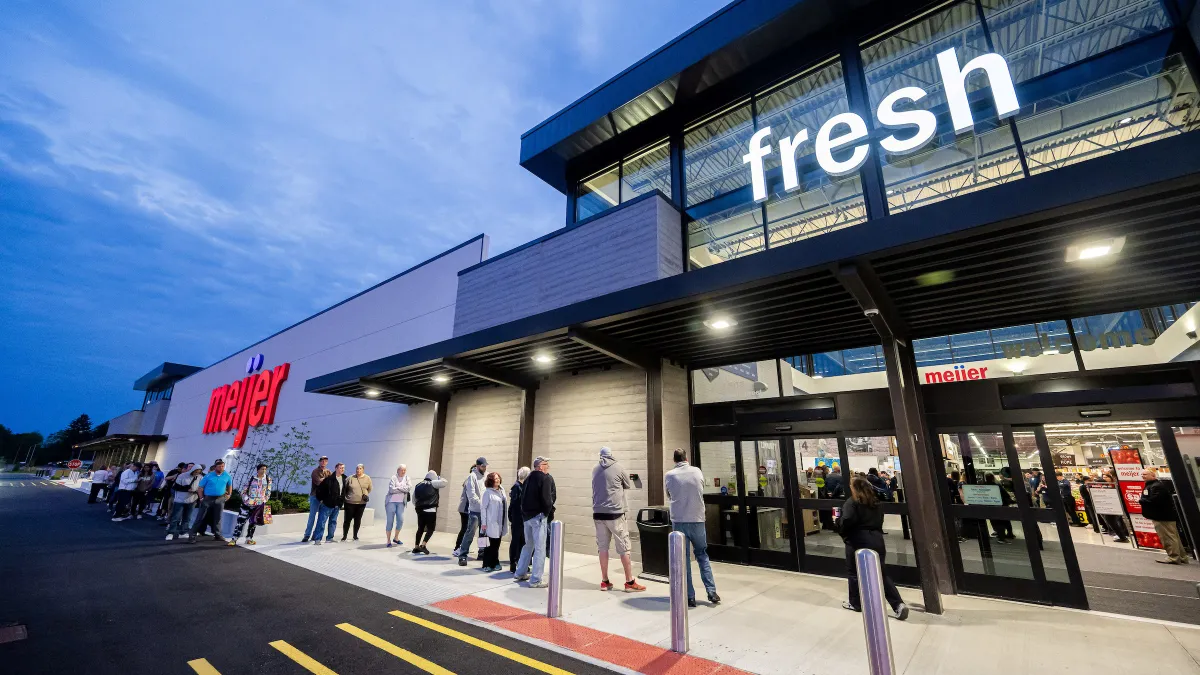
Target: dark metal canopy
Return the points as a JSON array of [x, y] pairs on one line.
[[163, 376], [988, 259], [118, 440]]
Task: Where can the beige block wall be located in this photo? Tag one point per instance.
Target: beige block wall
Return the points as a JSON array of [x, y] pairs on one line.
[[575, 416], [484, 422], [677, 423]]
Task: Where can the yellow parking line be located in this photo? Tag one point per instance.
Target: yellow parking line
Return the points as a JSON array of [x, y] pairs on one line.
[[474, 641], [398, 652], [307, 662], [203, 667]]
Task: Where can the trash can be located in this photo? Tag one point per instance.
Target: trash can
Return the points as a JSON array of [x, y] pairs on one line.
[[654, 524]]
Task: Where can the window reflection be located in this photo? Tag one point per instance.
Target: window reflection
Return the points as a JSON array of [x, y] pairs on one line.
[[712, 155], [725, 235], [598, 193], [647, 172]]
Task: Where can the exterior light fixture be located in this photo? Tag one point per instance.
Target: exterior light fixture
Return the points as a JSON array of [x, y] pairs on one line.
[[372, 392], [1018, 367], [1191, 334], [719, 323], [1095, 249], [1125, 121], [544, 358], [441, 378], [818, 377]]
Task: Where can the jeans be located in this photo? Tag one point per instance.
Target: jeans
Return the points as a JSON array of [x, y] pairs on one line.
[[699, 539], [534, 550], [469, 533], [210, 515], [181, 519], [314, 507], [326, 514], [395, 513]]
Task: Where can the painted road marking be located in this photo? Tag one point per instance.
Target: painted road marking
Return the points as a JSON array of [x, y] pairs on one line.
[[203, 667], [474, 641], [398, 652], [307, 662]]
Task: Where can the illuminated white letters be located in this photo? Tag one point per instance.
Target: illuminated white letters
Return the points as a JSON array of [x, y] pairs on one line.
[[955, 82], [826, 145], [853, 128], [888, 116], [755, 159]]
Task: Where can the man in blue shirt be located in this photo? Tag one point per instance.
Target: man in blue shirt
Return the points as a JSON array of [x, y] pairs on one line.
[[215, 488]]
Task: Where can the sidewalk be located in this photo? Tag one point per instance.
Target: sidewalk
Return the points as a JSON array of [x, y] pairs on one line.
[[769, 622]]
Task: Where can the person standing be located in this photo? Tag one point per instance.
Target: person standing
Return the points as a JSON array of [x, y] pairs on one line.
[[168, 496], [185, 492], [155, 496], [425, 503], [112, 486], [332, 493], [358, 491], [142, 491], [1115, 523], [1159, 507], [399, 490], [215, 488], [318, 476], [861, 526], [493, 520], [1068, 498], [472, 500], [833, 483], [99, 476], [685, 496], [609, 483], [516, 522], [254, 504], [537, 510], [126, 486]]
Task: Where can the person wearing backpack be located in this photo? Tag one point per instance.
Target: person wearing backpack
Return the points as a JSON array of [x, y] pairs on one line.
[[425, 503], [185, 492]]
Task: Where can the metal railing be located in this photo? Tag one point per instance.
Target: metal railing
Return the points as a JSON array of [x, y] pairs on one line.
[[875, 625], [554, 603], [677, 572]]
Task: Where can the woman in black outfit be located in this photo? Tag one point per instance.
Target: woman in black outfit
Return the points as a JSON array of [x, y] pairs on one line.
[[425, 503], [516, 522], [861, 526]]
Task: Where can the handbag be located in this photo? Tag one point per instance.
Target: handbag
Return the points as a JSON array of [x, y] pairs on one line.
[[483, 542], [266, 515], [366, 497]]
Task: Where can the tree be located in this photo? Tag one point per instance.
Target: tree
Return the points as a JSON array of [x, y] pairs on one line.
[[59, 445], [15, 447], [256, 451], [290, 460]]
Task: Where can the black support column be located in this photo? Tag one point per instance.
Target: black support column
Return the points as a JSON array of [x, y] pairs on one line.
[[437, 441], [525, 440]]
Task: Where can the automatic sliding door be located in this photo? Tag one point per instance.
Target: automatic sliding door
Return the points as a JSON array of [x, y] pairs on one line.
[[722, 500], [768, 523]]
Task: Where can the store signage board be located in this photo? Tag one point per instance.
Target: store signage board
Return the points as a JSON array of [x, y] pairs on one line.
[[982, 495], [1106, 500], [1142, 337], [919, 125], [246, 403], [1128, 463]]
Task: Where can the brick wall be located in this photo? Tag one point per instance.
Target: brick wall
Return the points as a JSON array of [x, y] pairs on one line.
[[484, 422], [635, 244]]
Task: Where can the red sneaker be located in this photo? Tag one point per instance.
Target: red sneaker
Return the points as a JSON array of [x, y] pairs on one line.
[[633, 587], [606, 585]]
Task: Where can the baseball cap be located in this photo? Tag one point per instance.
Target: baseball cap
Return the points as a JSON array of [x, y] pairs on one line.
[[322, 457], [606, 451], [482, 461], [537, 461]]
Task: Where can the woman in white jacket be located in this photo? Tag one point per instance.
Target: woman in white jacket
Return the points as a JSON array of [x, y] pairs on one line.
[[399, 490], [493, 520]]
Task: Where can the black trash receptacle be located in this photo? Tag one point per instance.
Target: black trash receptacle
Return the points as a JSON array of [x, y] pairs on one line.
[[654, 524]]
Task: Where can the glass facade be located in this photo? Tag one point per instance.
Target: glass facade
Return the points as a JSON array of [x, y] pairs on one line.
[[636, 175]]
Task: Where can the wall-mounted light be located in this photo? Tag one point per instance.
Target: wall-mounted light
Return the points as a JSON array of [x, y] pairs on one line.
[[818, 377], [441, 378], [720, 322], [1095, 249], [1191, 334], [372, 392], [544, 358], [1018, 367]]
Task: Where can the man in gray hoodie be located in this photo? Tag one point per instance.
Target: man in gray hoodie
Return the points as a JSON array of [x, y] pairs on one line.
[[685, 494], [472, 501], [609, 483]]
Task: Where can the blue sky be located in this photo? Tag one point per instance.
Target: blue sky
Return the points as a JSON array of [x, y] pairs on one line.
[[179, 180]]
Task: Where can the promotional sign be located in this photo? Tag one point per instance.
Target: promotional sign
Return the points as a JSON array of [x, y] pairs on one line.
[[1128, 464], [246, 403], [981, 495], [1106, 500]]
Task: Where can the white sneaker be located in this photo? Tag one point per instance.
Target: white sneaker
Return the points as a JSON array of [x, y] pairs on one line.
[[170, 537]]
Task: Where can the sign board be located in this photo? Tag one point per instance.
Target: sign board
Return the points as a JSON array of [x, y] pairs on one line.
[[1064, 459], [245, 403], [74, 464], [1106, 500], [1128, 463], [981, 495]]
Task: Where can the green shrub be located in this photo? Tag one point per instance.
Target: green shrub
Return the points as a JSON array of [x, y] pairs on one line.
[[276, 505], [234, 503]]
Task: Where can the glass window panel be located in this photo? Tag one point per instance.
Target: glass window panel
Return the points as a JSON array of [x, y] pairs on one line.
[[825, 208], [647, 172], [1031, 467], [951, 164], [1107, 112], [1005, 556], [1079, 448], [763, 469], [932, 351], [1040, 36], [719, 465], [597, 194], [769, 528], [982, 465], [727, 234], [820, 537], [877, 454], [999, 352], [712, 155], [1053, 560], [1129, 339], [863, 359], [816, 460], [735, 383], [900, 547]]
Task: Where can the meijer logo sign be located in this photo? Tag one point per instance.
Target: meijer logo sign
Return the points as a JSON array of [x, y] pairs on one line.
[[851, 128], [246, 403]]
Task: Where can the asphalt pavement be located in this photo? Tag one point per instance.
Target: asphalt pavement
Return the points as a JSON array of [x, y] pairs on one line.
[[103, 598]]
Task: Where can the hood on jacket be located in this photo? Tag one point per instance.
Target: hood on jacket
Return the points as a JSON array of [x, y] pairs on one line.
[[607, 461], [432, 475]]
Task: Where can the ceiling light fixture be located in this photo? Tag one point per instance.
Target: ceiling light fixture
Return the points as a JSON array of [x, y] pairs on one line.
[[818, 377], [1125, 121], [544, 357], [1018, 367], [372, 392], [441, 378], [720, 323], [1094, 249]]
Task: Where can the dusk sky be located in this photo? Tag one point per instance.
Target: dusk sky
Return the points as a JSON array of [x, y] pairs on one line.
[[179, 180]]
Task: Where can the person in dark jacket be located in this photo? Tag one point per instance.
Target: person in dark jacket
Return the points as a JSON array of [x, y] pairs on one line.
[[332, 495], [880, 485], [1159, 507], [1002, 529], [425, 503], [833, 483], [537, 510], [861, 526], [516, 522]]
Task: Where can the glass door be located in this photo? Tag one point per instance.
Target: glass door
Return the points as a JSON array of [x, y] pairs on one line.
[[767, 518], [722, 499]]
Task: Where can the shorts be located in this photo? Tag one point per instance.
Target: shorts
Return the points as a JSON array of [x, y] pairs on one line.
[[607, 530]]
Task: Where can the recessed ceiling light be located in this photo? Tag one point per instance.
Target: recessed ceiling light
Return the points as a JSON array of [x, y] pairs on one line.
[[1095, 249], [372, 392], [544, 357], [441, 378], [720, 322], [1127, 120]]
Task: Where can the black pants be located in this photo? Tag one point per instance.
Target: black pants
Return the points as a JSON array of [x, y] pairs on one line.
[[1116, 525], [491, 554], [426, 520], [353, 512], [95, 490], [138, 504], [462, 531], [1003, 529], [122, 501], [889, 588], [515, 544]]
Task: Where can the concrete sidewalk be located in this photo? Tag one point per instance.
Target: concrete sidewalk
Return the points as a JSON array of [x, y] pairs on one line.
[[772, 622]]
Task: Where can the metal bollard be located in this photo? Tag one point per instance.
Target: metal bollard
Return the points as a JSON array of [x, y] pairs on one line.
[[554, 603], [677, 571], [875, 625]]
